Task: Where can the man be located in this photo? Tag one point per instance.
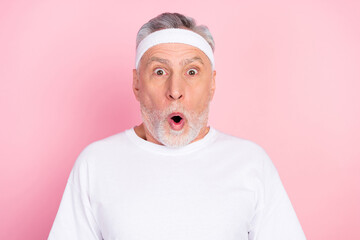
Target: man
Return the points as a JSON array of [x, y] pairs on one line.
[[174, 177]]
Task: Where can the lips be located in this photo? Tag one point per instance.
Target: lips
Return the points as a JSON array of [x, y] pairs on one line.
[[176, 121]]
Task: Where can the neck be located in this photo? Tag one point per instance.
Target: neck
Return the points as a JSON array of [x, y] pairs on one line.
[[142, 132]]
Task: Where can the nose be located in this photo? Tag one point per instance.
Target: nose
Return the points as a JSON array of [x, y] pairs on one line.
[[175, 88]]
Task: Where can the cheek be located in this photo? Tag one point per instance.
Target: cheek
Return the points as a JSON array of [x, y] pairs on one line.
[[146, 90], [198, 100], [151, 98], [202, 92]]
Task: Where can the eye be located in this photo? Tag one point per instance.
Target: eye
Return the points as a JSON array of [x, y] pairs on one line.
[[192, 72], [159, 71]]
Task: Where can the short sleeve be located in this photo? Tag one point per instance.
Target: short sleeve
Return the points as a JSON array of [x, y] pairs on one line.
[[75, 218], [275, 218]]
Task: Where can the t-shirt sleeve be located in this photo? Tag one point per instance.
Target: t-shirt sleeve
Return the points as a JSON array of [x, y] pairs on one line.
[[275, 218], [75, 218]]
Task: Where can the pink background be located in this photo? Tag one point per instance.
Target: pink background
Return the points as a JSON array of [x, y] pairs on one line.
[[287, 78]]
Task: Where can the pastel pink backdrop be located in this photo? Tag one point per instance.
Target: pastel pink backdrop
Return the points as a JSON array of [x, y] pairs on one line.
[[287, 78]]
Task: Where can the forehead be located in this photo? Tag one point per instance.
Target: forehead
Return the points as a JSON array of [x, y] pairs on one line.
[[175, 52]]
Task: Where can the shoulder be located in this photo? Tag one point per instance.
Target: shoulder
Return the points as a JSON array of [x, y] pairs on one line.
[[249, 153], [98, 154], [239, 144], [105, 147], [243, 149]]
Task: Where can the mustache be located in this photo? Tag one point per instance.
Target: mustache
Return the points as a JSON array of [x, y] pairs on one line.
[[171, 108], [179, 108], [161, 115]]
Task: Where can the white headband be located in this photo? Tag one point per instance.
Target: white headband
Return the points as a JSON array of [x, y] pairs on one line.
[[174, 35]]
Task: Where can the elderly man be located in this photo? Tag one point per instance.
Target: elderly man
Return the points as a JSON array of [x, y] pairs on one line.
[[174, 177]]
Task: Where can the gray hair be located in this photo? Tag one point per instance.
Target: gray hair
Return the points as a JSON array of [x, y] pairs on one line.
[[174, 20]]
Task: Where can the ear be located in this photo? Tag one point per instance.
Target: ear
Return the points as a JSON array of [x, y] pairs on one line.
[[135, 84], [213, 85]]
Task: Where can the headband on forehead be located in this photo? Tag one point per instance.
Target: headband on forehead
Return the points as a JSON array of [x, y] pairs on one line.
[[174, 35]]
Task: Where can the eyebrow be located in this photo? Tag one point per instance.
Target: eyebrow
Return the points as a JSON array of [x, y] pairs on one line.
[[157, 59], [183, 62], [191, 60]]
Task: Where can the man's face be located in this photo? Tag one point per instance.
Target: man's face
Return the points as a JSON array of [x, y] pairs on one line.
[[174, 84]]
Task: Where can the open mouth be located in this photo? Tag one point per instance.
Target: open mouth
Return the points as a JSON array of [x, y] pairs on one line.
[[176, 121]]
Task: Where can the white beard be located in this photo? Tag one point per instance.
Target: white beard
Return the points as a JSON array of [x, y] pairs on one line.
[[157, 124]]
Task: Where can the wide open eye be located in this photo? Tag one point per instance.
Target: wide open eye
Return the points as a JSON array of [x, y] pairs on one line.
[[192, 72], [159, 71]]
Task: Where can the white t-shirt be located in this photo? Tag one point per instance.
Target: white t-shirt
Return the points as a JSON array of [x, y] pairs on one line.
[[218, 188]]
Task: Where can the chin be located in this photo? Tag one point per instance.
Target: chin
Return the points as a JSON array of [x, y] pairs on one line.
[[175, 139], [156, 122]]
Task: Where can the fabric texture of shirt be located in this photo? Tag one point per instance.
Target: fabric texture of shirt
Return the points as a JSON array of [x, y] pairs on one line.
[[218, 188]]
